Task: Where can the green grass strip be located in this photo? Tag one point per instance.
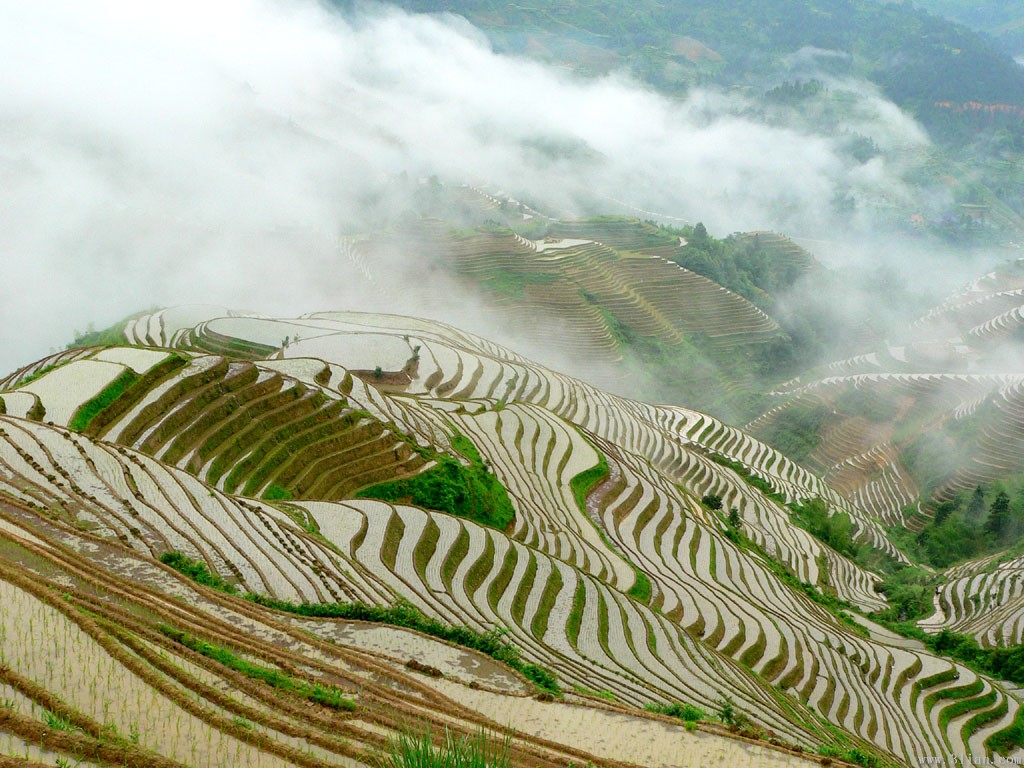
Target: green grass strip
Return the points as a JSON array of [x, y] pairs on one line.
[[957, 692], [928, 682], [197, 571], [582, 485], [641, 590], [743, 471], [983, 718], [579, 601], [964, 706], [586, 481], [1010, 737], [327, 695], [493, 643], [88, 410]]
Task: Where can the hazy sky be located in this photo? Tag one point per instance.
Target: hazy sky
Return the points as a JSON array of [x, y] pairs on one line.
[[163, 153]]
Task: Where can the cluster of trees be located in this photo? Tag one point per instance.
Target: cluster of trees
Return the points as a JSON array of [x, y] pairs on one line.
[[734, 521], [835, 530], [908, 591], [743, 266], [969, 526], [793, 92], [799, 432], [1004, 663], [814, 328]]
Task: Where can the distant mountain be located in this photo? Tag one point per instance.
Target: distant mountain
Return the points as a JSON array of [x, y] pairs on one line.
[[1003, 20], [919, 59], [781, 56]]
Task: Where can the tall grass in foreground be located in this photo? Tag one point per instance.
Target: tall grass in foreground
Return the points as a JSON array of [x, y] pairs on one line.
[[479, 750]]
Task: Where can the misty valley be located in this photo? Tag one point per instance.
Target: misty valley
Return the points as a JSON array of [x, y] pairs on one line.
[[465, 384]]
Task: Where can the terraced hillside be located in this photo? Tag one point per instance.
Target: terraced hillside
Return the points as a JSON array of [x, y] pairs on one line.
[[611, 575], [240, 426], [984, 599], [885, 440], [936, 414], [142, 667], [592, 291], [472, 369]]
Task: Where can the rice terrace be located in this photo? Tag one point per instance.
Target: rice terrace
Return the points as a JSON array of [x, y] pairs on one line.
[[222, 550], [470, 384]]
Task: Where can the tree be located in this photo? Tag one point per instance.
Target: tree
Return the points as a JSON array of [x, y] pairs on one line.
[[977, 504], [943, 511], [726, 711], [956, 539], [735, 521], [998, 516], [712, 501]]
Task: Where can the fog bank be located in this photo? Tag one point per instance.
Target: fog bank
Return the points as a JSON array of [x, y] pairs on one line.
[[156, 154]]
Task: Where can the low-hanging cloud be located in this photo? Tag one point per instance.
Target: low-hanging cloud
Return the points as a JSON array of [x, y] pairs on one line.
[[188, 152]]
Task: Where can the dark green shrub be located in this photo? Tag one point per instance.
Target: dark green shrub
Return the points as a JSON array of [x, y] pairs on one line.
[[711, 501], [472, 492], [276, 493], [687, 712], [197, 571], [88, 410]]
